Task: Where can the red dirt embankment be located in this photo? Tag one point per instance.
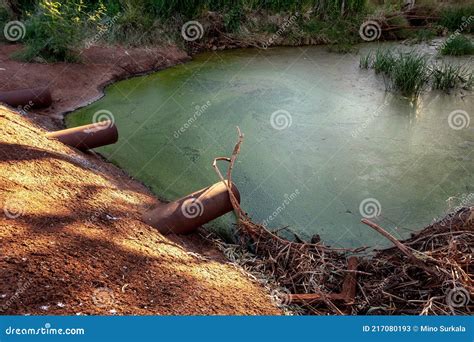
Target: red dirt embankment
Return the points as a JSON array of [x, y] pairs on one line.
[[71, 238]]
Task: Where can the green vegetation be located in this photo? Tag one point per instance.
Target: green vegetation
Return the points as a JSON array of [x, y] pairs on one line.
[[448, 76], [424, 35], [457, 18], [409, 72], [365, 61], [56, 30], [457, 46], [383, 61]]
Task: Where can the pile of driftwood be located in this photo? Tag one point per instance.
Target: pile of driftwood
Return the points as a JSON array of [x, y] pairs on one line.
[[430, 273]]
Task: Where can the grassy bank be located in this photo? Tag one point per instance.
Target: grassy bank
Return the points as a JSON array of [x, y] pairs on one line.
[[411, 72], [56, 31]]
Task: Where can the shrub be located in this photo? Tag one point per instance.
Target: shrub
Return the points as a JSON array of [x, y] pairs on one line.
[[457, 46], [424, 35], [453, 18], [54, 31]]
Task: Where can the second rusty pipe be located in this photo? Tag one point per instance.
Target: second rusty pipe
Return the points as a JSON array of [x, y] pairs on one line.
[[32, 97], [190, 212], [89, 136]]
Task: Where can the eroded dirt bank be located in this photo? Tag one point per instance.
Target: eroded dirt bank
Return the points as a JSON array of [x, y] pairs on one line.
[[72, 242], [74, 85]]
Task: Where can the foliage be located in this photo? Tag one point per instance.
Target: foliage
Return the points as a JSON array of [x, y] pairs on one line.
[[448, 76], [455, 17], [54, 30], [365, 61], [457, 46], [409, 72], [383, 61], [424, 35]]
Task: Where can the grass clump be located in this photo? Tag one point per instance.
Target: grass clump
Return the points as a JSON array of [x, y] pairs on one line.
[[409, 73], [458, 18], [457, 46], [447, 76], [424, 35], [383, 61], [365, 61]]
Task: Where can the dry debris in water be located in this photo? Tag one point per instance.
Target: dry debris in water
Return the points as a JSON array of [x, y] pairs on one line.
[[428, 274]]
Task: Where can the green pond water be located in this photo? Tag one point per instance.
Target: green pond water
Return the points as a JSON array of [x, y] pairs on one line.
[[324, 143]]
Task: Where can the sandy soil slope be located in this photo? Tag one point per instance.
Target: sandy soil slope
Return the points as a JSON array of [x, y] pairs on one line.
[[71, 240]]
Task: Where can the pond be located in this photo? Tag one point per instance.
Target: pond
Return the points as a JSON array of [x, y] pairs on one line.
[[325, 144]]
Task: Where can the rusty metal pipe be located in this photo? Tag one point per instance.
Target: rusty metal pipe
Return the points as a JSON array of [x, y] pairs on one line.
[[89, 136], [190, 212], [32, 97]]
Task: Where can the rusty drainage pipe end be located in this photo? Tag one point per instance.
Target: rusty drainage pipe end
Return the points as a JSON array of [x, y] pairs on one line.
[[89, 136], [186, 214]]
